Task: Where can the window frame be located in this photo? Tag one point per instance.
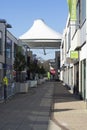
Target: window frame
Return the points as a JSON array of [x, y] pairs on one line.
[[82, 12], [1, 42], [8, 48]]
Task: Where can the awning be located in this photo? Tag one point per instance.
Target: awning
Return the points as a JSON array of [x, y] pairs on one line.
[[52, 70], [41, 36]]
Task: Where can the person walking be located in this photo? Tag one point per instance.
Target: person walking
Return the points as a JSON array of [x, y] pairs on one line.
[[48, 75], [5, 84]]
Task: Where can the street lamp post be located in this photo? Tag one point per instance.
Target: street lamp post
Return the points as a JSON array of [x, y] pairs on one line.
[[6, 26]]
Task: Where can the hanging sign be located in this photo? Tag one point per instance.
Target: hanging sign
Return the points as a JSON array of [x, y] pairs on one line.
[[74, 55]]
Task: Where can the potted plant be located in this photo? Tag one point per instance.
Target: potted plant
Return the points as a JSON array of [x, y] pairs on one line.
[[19, 67]]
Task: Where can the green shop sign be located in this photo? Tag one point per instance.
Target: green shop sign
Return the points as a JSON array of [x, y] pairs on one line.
[[74, 54]]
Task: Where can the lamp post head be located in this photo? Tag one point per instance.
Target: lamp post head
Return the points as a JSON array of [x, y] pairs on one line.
[[2, 21], [6, 24]]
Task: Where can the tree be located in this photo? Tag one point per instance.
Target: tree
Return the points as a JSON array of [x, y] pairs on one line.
[[19, 64], [42, 70], [33, 68]]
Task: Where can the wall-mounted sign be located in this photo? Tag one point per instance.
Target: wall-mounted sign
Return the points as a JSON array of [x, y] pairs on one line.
[[74, 54]]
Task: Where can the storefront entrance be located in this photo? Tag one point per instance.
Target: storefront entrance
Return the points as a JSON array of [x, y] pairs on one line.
[[76, 78], [83, 79]]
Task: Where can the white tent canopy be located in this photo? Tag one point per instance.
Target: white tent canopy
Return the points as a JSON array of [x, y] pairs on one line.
[[41, 36]]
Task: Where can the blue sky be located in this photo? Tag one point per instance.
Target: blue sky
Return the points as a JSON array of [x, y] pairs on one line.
[[22, 13]]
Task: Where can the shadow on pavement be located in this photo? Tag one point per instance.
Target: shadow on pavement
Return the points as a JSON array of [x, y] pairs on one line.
[[61, 110], [62, 94], [64, 105]]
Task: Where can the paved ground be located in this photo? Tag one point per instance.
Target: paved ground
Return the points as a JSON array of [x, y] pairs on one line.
[[68, 111], [50, 106], [29, 111]]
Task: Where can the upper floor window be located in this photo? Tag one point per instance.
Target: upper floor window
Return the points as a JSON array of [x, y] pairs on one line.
[[78, 13], [69, 39], [66, 43], [15, 49], [0, 42], [83, 11], [62, 50], [9, 48]]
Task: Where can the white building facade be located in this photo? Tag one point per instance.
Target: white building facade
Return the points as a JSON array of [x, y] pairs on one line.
[[74, 70]]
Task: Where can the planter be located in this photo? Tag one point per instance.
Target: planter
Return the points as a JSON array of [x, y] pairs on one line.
[[33, 83], [24, 87], [17, 87], [40, 81]]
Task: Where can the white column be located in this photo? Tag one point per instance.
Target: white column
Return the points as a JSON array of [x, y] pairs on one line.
[[86, 49], [79, 76]]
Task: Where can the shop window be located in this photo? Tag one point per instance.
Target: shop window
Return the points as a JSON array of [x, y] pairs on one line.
[[0, 42]]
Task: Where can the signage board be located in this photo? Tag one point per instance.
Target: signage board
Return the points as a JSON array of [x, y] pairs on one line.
[[74, 55]]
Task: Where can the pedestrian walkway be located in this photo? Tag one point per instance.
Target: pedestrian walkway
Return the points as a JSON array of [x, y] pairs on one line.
[[49, 106], [29, 111], [68, 112]]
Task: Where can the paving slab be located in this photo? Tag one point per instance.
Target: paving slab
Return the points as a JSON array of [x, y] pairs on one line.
[[30, 111], [49, 106], [68, 111]]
